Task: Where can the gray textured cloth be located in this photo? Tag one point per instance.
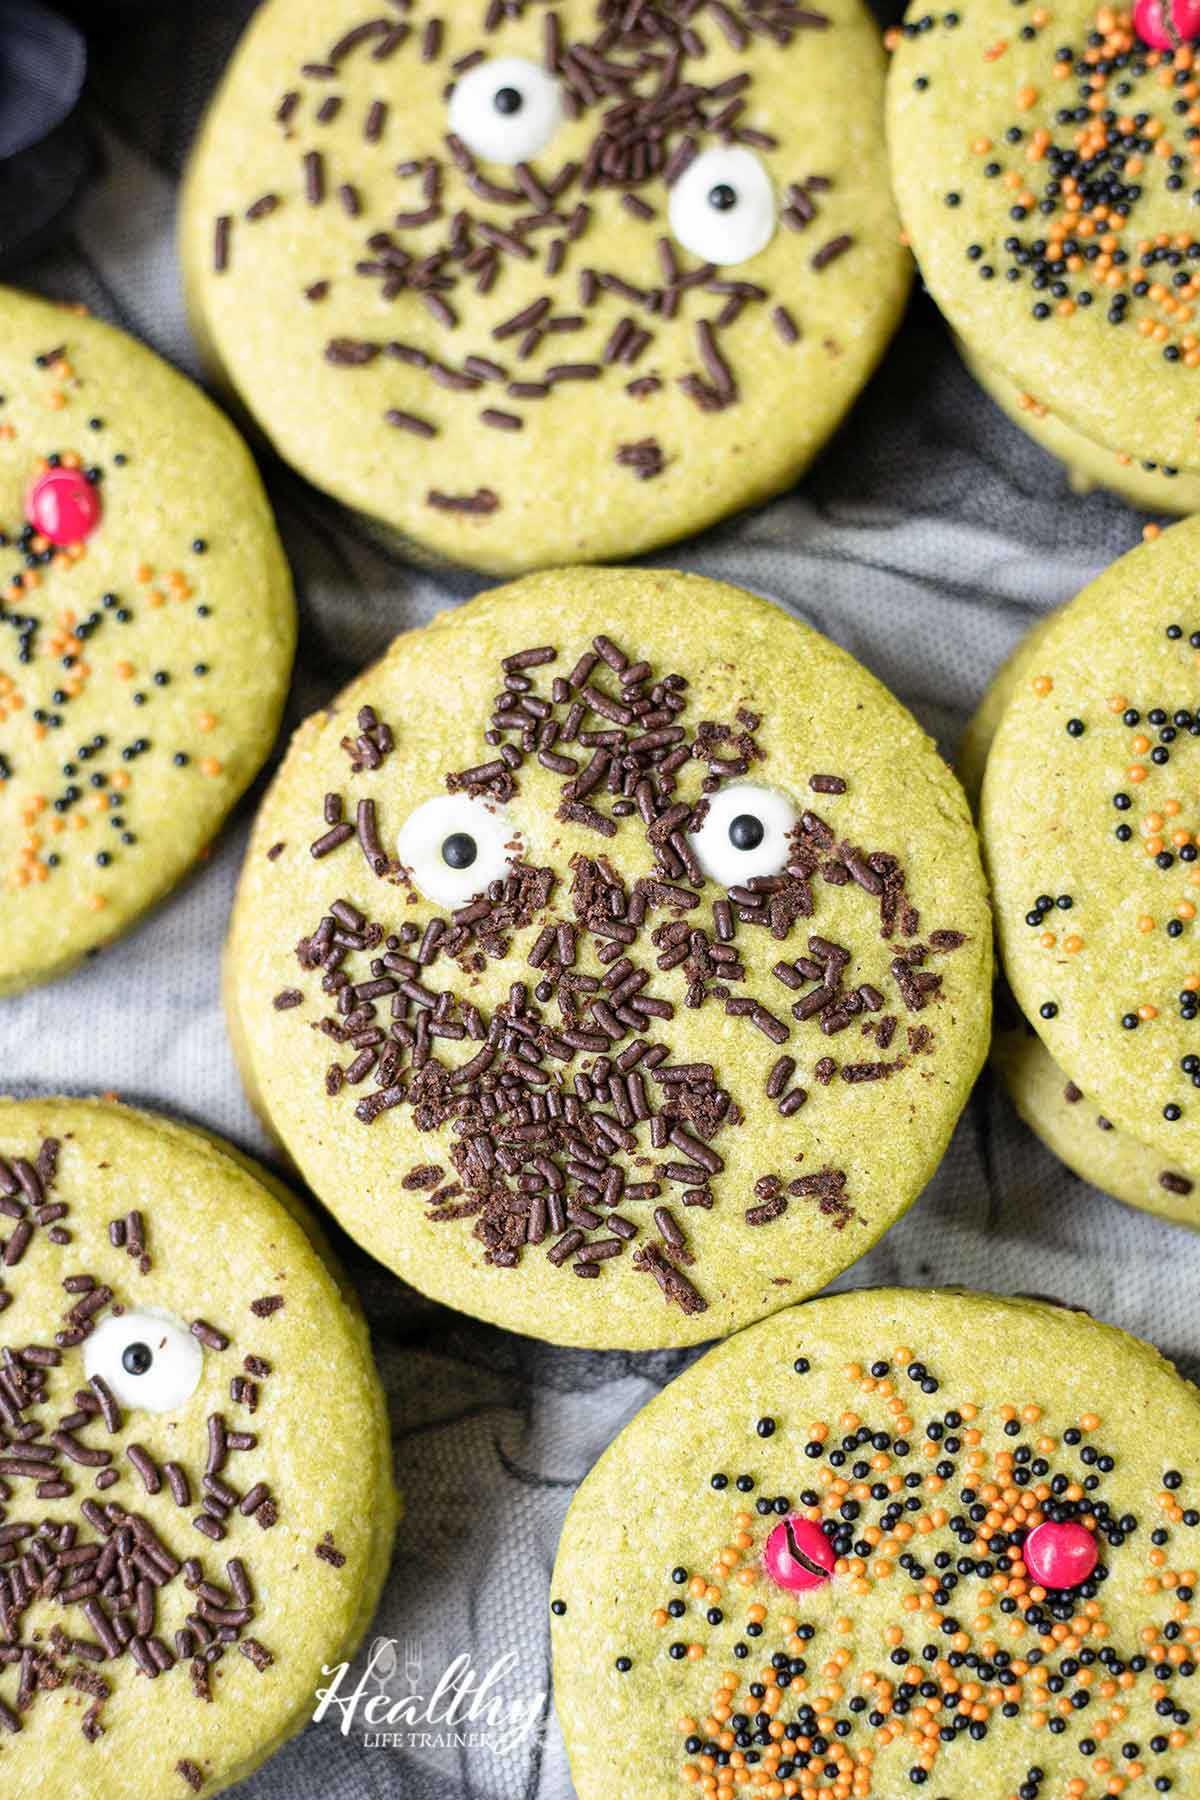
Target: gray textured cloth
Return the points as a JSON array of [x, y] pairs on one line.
[[929, 537]]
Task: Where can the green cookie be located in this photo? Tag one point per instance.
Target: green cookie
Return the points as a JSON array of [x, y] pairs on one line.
[[1042, 161], [1050, 1104], [1083, 1138], [652, 987], [1088, 822], [146, 632], [1087, 463], [198, 1500], [809, 1566], [538, 287]]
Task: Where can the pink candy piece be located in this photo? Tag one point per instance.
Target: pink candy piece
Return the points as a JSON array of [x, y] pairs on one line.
[[63, 505], [1060, 1556], [798, 1555], [1163, 24]]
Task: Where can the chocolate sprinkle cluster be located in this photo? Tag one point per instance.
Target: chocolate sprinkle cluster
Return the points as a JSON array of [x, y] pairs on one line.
[[641, 75], [103, 1558], [372, 745], [570, 1112]]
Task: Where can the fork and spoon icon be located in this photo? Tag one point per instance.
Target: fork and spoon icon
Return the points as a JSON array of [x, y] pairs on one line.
[[385, 1658]]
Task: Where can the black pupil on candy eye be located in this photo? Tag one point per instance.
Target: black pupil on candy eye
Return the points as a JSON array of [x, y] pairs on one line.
[[508, 100], [722, 197], [136, 1358], [459, 850], [746, 832]]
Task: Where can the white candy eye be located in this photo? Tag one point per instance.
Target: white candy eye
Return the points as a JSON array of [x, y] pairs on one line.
[[723, 206], [454, 846], [148, 1358], [506, 110], [744, 833]]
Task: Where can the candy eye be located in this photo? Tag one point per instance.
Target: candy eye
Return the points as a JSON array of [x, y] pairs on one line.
[[744, 833], [723, 206], [506, 110], [455, 847], [149, 1359]]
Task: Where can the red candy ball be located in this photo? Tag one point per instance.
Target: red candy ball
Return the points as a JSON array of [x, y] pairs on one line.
[[1164, 24], [798, 1555], [63, 505], [1060, 1556]]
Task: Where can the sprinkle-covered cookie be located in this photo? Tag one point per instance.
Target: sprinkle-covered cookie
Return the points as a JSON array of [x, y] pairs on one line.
[[1089, 826], [542, 284], [891, 1541], [613, 958], [1049, 1102], [1046, 170], [146, 631], [196, 1506]]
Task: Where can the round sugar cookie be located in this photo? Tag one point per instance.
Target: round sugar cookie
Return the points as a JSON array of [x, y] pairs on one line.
[[195, 1469], [1042, 166], [885, 1541], [613, 958], [1088, 822], [146, 632], [537, 286]]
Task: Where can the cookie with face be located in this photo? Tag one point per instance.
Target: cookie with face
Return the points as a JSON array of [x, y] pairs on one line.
[[613, 958], [890, 1540], [146, 631], [196, 1505], [540, 284]]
